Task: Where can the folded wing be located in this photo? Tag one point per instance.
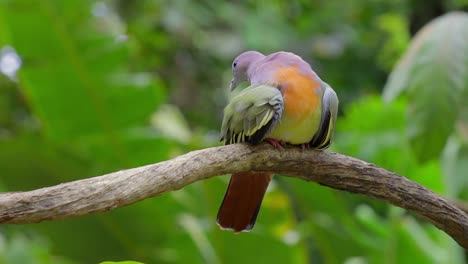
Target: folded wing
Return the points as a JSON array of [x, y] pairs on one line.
[[252, 114], [324, 136]]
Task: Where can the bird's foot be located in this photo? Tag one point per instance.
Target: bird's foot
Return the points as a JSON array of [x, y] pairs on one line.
[[304, 146], [277, 144]]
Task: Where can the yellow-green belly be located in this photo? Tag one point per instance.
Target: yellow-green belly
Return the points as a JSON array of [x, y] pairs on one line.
[[297, 130], [302, 98]]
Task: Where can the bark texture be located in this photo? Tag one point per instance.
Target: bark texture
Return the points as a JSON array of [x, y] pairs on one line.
[[337, 171]]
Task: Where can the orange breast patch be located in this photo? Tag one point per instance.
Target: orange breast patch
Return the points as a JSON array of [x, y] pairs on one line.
[[300, 95]]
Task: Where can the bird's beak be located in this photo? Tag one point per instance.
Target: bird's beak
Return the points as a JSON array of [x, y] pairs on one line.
[[233, 85]]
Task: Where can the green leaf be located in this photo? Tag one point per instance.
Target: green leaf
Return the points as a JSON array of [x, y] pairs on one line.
[[170, 122], [19, 248], [374, 131], [462, 121], [455, 165], [395, 26], [367, 217], [74, 76], [193, 227], [423, 242], [433, 72], [414, 244]]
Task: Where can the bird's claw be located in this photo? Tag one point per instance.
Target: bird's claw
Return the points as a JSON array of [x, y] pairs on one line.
[[304, 146], [277, 144]]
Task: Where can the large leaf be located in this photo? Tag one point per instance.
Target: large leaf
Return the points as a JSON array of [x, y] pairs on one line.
[[434, 73], [74, 75], [455, 164]]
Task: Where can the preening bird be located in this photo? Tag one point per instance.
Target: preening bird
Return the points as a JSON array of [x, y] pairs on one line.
[[286, 102]]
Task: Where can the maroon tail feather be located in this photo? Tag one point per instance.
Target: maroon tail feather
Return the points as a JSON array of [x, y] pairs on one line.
[[244, 195]]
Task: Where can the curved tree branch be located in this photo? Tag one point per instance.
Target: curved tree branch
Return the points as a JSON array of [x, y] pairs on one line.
[[121, 188]]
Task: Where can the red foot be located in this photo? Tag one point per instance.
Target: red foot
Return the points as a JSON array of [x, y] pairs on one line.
[[304, 146], [277, 144]]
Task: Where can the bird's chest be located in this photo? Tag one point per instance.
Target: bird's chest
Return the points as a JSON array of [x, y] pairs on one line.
[[301, 115]]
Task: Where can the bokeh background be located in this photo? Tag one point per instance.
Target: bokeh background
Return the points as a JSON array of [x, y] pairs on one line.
[[90, 87]]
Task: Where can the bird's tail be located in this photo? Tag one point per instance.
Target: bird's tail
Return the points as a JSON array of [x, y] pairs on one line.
[[242, 201]]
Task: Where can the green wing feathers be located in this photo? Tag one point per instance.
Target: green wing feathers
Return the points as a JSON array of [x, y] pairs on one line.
[[251, 114], [324, 136]]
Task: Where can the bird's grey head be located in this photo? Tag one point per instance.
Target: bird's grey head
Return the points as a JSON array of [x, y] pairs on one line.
[[240, 67]]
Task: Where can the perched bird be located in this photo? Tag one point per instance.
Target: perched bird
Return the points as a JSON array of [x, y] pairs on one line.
[[286, 102]]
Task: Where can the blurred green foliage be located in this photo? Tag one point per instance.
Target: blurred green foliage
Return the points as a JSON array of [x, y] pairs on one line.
[[108, 85], [433, 73]]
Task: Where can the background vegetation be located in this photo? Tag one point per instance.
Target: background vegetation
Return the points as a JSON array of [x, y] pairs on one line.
[[90, 87]]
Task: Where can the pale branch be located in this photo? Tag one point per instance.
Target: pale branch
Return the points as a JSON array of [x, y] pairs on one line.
[[124, 187]]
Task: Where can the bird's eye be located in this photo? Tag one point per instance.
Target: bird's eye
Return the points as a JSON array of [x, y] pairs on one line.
[[234, 64]]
